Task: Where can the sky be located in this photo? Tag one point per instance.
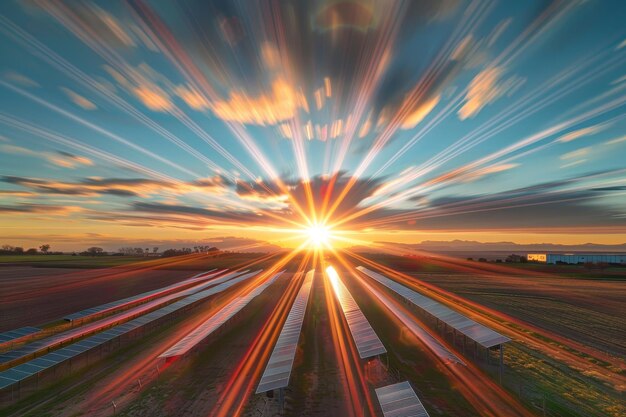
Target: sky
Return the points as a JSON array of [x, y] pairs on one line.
[[168, 123]]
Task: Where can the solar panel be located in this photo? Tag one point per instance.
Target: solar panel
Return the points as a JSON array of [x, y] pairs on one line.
[[278, 368], [367, 342], [432, 343], [5, 382], [481, 334], [215, 321], [61, 355], [15, 334], [101, 309], [58, 339], [399, 400]]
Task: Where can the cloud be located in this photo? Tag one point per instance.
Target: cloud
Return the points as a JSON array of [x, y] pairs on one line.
[[72, 160], [615, 141], [146, 84], [193, 217], [488, 170], [47, 209], [59, 158], [573, 163], [192, 97], [579, 153], [485, 88], [11, 193], [586, 131], [120, 187], [20, 79], [557, 204], [260, 191], [321, 187], [270, 108], [197, 217], [79, 100], [420, 112], [153, 97]]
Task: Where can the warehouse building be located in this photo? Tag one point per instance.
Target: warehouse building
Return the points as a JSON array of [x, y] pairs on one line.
[[578, 258]]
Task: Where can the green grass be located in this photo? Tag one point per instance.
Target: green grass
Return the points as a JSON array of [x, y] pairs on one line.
[[228, 260], [70, 261]]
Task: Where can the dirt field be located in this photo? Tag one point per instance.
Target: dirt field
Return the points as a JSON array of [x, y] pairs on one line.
[[34, 296], [582, 310]]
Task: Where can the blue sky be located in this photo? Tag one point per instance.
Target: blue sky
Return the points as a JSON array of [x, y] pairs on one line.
[[227, 110]]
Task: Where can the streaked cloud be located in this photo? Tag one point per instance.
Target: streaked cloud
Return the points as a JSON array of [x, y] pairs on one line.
[[120, 187], [280, 103], [485, 88], [145, 84], [47, 209], [153, 97], [192, 97], [578, 153], [573, 163], [420, 112], [20, 79], [580, 133], [79, 100], [59, 158], [616, 141]]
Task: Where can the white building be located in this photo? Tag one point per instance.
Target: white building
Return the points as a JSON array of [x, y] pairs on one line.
[[578, 258]]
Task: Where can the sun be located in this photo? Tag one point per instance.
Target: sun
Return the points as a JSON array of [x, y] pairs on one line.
[[319, 235]]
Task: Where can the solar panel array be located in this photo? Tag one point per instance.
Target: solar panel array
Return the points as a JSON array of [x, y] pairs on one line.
[[101, 309], [31, 368], [215, 321], [278, 369], [367, 342], [15, 334], [399, 400], [482, 335], [69, 335]]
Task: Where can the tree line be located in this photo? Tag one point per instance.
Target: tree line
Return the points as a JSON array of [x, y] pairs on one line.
[[98, 251], [19, 250]]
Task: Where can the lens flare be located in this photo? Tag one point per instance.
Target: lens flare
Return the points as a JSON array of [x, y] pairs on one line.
[[319, 235]]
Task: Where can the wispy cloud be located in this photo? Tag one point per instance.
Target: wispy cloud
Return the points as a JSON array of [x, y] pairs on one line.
[[192, 97], [485, 88], [145, 84], [48, 209], [120, 187], [578, 153], [59, 158], [580, 133], [280, 103], [616, 141], [20, 79], [79, 100]]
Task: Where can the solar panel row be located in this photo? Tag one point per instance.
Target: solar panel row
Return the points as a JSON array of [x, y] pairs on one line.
[[101, 309], [367, 342], [481, 334], [15, 334], [278, 369], [215, 321], [58, 339], [21, 372], [399, 400], [432, 343]]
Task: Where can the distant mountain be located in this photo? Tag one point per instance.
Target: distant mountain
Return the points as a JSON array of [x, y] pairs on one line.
[[470, 245]]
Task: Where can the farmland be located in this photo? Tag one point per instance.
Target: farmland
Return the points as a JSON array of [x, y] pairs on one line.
[[543, 372]]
